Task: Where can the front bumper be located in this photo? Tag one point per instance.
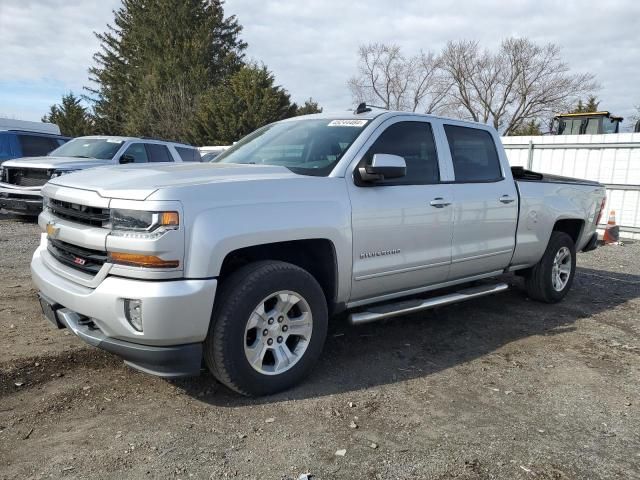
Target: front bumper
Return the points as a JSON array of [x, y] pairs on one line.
[[175, 317], [169, 362], [20, 200]]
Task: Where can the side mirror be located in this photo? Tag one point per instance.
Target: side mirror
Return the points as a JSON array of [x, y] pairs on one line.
[[127, 159], [383, 167]]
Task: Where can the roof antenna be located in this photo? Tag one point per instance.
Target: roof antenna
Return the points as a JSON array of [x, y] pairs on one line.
[[362, 108]]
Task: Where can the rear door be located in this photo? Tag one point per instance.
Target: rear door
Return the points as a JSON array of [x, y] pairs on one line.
[[485, 203], [401, 227]]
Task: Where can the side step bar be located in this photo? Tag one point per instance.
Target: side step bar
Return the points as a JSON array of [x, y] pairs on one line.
[[411, 306]]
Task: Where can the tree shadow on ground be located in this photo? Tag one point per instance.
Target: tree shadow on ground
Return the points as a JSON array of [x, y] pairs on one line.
[[418, 345]]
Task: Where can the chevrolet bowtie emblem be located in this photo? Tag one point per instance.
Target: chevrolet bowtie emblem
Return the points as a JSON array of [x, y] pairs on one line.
[[52, 230]]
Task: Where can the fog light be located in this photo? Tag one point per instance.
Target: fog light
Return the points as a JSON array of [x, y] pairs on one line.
[[133, 312]]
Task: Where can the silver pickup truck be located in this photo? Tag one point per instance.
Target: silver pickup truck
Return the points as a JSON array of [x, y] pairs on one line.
[[22, 178], [240, 263]]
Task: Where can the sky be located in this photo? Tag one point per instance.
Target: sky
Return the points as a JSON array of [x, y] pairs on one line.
[[46, 46]]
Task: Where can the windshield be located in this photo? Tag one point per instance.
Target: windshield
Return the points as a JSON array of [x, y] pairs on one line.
[[308, 147], [98, 148]]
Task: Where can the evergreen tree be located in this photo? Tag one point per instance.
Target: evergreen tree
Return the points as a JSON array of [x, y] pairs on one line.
[[310, 106], [590, 106], [532, 127], [159, 54], [249, 100], [73, 119]]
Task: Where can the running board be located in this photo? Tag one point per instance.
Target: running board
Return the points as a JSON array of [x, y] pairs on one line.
[[411, 306]]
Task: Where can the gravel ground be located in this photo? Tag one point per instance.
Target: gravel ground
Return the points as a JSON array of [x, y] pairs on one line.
[[501, 387]]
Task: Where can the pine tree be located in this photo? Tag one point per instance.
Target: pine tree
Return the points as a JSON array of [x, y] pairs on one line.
[[249, 100], [159, 53], [73, 119], [310, 106], [590, 106]]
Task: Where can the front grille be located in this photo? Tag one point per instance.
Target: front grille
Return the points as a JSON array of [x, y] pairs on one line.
[[83, 259], [75, 212], [28, 177]]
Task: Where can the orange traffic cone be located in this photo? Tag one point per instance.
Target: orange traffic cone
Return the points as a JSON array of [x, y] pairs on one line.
[[612, 231]]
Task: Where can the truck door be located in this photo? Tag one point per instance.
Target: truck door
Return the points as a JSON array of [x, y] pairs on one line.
[[401, 227], [485, 203]]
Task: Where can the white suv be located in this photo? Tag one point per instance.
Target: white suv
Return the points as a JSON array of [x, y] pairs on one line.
[[21, 179]]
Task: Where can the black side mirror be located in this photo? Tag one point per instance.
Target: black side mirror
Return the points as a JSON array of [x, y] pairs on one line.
[[126, 158], [383, 167]]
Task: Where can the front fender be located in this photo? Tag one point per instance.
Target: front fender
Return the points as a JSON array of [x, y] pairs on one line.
[[215, 232]]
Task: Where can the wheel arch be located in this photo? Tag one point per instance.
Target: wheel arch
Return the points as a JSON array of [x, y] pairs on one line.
[[317, 256], [571, 226]]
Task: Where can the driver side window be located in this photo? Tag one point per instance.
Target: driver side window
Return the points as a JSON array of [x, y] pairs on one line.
[[414, 142], [138, 152]]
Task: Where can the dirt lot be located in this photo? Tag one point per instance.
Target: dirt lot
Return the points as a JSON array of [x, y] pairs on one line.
[[497, 388]]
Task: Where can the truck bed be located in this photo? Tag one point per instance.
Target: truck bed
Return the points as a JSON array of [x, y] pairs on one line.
[[547, 197], [521, 174]]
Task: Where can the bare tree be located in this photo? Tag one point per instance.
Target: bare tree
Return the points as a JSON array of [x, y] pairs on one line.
[[522, 81], [385, 76]]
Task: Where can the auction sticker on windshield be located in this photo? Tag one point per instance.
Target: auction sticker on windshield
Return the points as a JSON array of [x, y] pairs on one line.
[[347, 123]]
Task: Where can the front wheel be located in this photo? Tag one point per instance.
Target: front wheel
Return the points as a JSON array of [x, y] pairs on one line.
[[268, 328], [551, 278]]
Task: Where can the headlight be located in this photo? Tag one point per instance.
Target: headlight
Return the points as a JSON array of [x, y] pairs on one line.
[[45, 203], [1, 174], [141, 224], [58, 173]]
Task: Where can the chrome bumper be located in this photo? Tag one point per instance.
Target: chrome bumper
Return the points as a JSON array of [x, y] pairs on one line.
[[20, 200]]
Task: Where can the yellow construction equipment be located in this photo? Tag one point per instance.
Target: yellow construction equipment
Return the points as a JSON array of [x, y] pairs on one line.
[[586, 123]]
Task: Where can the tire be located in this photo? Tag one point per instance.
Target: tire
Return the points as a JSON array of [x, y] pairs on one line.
[[540, 282], [237, 333]]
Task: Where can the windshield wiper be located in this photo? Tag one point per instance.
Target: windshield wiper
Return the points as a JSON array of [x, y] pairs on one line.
[[80, 156]]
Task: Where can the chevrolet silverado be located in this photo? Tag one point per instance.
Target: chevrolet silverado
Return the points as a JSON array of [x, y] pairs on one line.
[[238, 264]]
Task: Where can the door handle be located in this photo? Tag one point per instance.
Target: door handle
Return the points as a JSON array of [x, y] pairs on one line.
[[507, 199], [439, 202]]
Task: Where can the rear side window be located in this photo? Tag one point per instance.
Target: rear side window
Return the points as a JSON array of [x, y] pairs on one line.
[[414, 142], [188, 154], [158, 153], [34, 145], [474, 154]]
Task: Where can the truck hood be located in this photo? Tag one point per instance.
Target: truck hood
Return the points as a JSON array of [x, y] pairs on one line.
[[56, 163], [137, 182]]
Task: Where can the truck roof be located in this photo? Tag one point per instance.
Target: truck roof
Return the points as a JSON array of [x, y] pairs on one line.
[[376, 112], [27, 126], [126, 139]]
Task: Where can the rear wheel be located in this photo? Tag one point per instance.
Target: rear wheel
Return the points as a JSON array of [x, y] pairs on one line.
[[551, 278], [268, 328]]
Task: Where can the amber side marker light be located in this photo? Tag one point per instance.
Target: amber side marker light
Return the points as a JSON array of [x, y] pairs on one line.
[[136, 260], [169, 218]]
